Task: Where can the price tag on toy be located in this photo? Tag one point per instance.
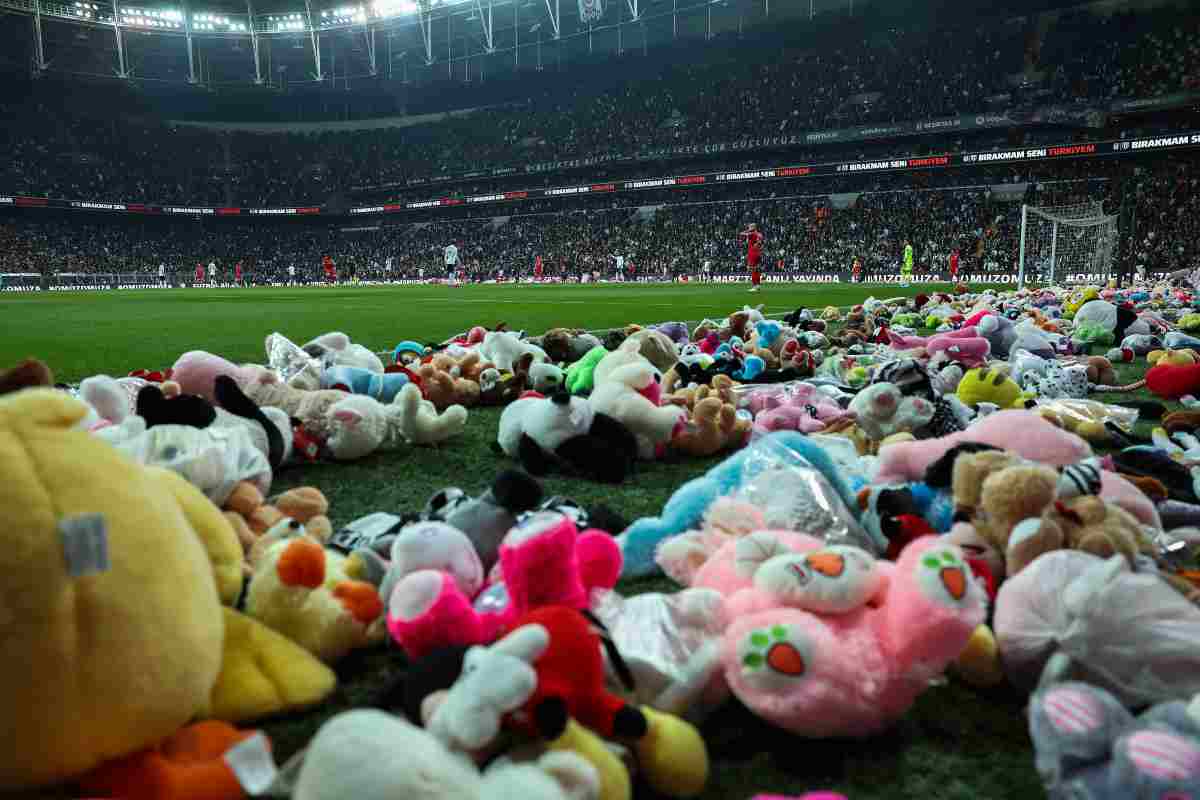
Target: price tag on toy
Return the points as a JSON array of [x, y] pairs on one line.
[[85, 544], [252, 764]]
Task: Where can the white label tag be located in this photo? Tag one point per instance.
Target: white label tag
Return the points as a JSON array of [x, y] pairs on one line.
[[85, 544], [252, 764]]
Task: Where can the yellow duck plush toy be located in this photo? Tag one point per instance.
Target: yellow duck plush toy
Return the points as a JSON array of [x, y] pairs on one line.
[[114, 606]]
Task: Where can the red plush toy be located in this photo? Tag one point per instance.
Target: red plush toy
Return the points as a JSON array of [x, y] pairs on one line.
[[571, 683], [1172, 381]]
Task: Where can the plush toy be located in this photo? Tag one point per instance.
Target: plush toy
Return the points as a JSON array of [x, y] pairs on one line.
[[195, 371], [1086, 418], [196, 761], [880, 410], [806, 409], [1023, 432], [505, 348], [1173, 381], [336, 349], [26, 374], [1025, 509], [628, 388], [714, 427], [580, 378], [546, 378], [543, 561], [571, 685], [1089, 746], [826, 641], [379, 385], [498, 388], [308, 594], [998, 330], [566, 346], [687, 505], [987, 385], [970, 352], [372, 755], [569, 432], [133, 565], [655, 347], [359, 425]]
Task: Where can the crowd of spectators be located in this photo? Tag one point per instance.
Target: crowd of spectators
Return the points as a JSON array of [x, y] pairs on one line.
[[680, 234], [880, 77]]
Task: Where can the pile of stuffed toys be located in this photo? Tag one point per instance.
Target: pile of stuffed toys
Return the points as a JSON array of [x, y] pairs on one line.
[[946, 483]]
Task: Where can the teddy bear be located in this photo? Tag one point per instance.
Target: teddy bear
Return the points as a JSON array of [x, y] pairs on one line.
[[546, 378], [336, 348], [443, 390], [1023, 509], [656, 347], [544, 561], [139, 571], [628, 388], [251, 515], [26, 374], [825, 640], [714, 426], [567, 432]]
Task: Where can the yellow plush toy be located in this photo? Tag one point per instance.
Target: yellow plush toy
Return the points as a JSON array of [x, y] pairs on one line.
[[989, 385], [313, 596], [111, 609], [1174, 357]]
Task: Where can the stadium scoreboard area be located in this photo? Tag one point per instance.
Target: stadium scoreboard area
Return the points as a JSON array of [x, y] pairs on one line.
[[1082, 150]]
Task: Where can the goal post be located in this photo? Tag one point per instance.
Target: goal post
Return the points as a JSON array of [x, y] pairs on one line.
[[1058, 242]]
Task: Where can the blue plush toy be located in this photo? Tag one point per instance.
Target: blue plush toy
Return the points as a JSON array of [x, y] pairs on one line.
[[752, 367], [686, 507], [768, 331], [383, 386], [411, 348]]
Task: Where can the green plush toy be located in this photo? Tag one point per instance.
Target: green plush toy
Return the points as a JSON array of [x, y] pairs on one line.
[[907, 320], [1092, 334], [1189, 323], [580, 375]]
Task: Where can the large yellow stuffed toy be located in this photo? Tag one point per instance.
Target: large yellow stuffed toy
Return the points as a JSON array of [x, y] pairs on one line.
[[113, 607]]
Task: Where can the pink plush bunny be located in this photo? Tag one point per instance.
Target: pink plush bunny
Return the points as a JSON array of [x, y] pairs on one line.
[[971, 352], [805, 409], [544, 561], [196, 371], [899, 342], [826, 641]]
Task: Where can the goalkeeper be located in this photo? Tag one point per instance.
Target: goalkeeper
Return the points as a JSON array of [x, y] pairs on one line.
[[906, 268]]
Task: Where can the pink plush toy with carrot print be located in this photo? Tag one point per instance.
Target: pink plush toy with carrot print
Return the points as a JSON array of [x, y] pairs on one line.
[[824, 640]]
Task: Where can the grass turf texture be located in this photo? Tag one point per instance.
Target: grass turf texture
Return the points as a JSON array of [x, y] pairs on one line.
[[956, 743]]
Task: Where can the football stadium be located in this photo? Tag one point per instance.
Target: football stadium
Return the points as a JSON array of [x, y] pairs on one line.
[[600, 399]]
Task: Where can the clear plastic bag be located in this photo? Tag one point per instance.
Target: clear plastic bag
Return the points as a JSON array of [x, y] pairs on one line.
[[287, 358], [1088, 417], [671, 644], [795, 496], [1128, 632], [214, 460]]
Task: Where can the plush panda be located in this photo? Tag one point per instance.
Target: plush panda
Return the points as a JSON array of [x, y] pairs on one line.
[[568, 433]]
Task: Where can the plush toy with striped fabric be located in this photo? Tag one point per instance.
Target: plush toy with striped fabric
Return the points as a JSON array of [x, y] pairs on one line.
[[1090, 747]]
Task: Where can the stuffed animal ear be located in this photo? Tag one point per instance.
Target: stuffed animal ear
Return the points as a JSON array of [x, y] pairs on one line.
[[234, 400]]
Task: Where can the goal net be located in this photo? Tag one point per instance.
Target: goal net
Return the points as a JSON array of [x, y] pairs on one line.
[[1066, 244]]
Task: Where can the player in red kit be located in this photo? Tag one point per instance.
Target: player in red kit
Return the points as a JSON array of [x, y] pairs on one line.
[[754, 244], [537, 269], [237, 274], [200, 272], [954, 265], [330, 270]]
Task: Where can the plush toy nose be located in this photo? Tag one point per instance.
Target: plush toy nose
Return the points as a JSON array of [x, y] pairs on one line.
[[560, 398]]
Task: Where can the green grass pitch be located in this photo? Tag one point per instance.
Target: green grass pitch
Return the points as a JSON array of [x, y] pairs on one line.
[[956, 743]]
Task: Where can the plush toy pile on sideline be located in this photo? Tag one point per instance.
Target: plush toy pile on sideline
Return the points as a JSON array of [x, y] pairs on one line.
[[914, 487]]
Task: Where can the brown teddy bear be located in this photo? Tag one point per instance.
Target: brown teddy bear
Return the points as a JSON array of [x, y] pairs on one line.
[[251, 515], [714, 427], [27, 374], [656, 347], [1022, 509], [444, 390]]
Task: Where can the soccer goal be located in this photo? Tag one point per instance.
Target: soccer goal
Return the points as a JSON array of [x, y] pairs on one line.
[[1066, 244]]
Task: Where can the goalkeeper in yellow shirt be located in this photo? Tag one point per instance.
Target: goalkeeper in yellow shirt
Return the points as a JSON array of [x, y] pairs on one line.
[[907, 267]]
